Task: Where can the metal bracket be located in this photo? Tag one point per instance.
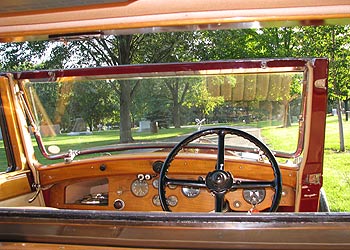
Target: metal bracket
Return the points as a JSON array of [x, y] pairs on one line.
[[320, 83], [38, 189], [71, 155]]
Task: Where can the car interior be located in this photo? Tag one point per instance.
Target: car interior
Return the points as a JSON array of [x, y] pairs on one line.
[[224, 154]]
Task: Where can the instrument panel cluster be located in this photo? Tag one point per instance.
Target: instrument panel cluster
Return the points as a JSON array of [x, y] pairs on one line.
[[139, 192], [140, 187]]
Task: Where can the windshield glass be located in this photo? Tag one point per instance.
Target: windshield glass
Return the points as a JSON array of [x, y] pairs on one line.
[[78, 113]]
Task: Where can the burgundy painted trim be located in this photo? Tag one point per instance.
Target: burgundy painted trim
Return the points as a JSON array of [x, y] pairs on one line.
[[314, 155], [296, 64]]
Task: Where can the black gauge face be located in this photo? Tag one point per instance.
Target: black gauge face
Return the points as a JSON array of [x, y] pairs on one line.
[[139, 188], [157, 166], [254, 196], [190, 192]]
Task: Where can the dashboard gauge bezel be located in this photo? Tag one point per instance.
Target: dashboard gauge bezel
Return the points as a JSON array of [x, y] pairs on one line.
[[139, 188]]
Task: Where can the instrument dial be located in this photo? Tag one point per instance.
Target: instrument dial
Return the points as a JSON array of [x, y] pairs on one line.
[[139, 188], [157, 166], [190, 192], [254, 196], [156, 200], [172, 201], [155, 183]]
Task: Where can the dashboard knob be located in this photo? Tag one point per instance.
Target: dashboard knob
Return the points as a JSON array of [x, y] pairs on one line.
[[119, 204]]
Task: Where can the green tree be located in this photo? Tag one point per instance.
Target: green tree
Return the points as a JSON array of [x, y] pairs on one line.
[[206, 95], [106, 51], [339, 73], [275, 42], [129, 49], [330, 42], [97, 108], [226, 44], [22, 56], [152, 102]]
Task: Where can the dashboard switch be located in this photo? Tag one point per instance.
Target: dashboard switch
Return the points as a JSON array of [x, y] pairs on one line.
[[119, 204]]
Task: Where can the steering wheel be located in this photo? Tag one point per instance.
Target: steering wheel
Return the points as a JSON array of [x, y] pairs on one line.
[[219, 182]]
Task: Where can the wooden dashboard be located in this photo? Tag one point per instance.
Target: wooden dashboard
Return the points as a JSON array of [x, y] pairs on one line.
[[130, 183]]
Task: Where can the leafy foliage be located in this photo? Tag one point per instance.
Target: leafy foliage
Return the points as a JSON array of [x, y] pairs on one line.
[[321, 41]]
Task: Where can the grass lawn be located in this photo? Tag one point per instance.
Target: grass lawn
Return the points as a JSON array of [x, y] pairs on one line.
[[336, 174], [336, 167], [336, 171], [103, 138]]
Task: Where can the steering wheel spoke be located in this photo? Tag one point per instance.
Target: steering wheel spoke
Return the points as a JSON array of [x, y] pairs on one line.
[[200, 183], [220, 165], [253, 184], [219, 201]]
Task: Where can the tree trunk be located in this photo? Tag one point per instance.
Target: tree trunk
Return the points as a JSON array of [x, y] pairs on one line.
[[125, 91], [270, 109], [176, 115], [341, 128], [176, 106], [247, 117], [286, 116], [91, 126], [125, 107], [346, 107]]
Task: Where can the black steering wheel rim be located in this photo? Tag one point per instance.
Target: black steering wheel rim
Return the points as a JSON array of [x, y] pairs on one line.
[[223, 181]]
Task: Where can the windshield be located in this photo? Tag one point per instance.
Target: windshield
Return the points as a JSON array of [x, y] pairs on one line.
[[106, 111]]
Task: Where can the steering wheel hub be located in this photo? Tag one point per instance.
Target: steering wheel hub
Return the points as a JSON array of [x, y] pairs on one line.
[[219, 181]]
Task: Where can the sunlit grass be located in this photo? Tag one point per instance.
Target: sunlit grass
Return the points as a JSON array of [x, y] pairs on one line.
[[162, 134], [104, 138], [336, 177], [332, 134], [283, 139], [336, 167], [109, 137]]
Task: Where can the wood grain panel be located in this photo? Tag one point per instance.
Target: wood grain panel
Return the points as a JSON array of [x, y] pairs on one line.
[[120, 188], [121, 171], [14, 184], [184, 164]]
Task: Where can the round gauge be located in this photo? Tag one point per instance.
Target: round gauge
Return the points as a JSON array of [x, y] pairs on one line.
[[155, 183], [172, 201], [190, 192], [156, 200], [254, 196], [139, 188], [157, 166], [171, 186]]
